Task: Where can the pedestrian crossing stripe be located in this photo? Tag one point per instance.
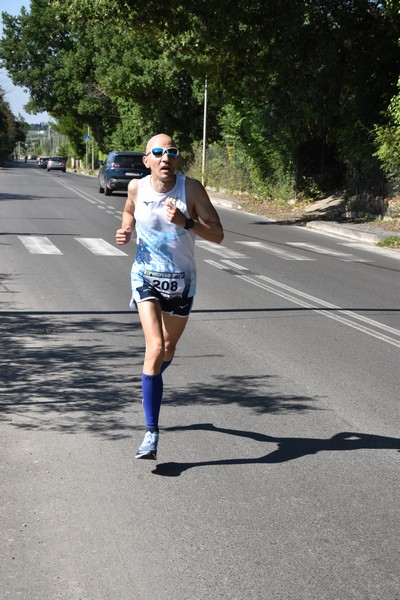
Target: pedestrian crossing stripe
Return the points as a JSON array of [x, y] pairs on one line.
[[319, 249], [100, 247], [222, 251], [42, 245], [39, 245], [285, 254]]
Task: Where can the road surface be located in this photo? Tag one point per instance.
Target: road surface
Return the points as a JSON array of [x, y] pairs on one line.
[[278, 466]]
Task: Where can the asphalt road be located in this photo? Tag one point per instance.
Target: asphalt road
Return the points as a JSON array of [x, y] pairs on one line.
[[278, 468]]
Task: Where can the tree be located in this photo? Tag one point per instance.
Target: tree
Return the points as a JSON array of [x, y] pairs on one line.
[[7, 128], [42, 54], [12, 130], [290, 86], [387, 138]]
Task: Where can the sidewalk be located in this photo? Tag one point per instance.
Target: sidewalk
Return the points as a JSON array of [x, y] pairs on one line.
[[368, 233]]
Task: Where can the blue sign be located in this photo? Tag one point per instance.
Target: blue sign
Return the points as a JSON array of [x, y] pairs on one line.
[[86, 138]]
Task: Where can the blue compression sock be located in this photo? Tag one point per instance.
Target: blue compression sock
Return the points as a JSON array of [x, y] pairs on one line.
[[152, 388], [165, 365]]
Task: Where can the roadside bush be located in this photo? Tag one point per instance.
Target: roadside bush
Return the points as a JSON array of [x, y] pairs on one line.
[[365, 205], [387, 138], [231, 170]]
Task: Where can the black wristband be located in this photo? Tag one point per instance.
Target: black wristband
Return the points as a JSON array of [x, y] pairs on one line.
[[189, 223]]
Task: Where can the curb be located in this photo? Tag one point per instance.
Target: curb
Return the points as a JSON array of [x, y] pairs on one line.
[[347, 232], [224, 202]]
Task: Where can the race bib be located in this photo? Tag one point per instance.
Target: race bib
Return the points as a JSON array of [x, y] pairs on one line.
[[169, 285]]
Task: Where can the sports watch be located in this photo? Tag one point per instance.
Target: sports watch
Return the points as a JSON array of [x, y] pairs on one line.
[[189, 223]]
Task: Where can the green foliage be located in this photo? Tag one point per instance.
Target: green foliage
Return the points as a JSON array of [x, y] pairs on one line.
[[43, 54], [292, 99], [356, 150], [392, 241], [12, 130], [7, 128], [387, 138], [229, 168]]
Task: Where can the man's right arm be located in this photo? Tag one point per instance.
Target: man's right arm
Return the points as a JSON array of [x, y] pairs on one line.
[[124, 234]]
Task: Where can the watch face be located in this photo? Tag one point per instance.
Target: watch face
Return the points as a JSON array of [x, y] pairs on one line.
[[189, 223]]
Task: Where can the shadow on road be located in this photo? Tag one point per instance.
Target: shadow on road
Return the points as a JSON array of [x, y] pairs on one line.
[[288, 448], [75, 372], [69, 372]]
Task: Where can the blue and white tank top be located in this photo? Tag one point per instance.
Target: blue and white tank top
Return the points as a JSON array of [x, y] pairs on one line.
[[164, 251]]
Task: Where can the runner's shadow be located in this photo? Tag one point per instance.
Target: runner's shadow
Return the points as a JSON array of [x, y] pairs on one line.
[[288, 448]]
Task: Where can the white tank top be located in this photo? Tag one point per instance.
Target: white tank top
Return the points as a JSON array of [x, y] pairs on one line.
[[164, 251]]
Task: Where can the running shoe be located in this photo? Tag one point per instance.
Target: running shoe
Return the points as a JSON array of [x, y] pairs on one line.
[[148, 448]]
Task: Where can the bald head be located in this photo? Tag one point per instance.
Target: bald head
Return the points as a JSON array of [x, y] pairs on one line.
[[161, 140]]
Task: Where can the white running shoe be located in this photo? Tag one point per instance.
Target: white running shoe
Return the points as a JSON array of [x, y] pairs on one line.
[[148, 448]]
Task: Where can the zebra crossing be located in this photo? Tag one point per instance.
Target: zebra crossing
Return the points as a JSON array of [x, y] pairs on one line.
[[39, 245], [307, 251], [238, 264], [100, 247], [227, 257], [42, 245]]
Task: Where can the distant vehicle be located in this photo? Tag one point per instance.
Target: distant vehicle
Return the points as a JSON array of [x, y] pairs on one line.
[[42, 161], [31, 157], [118, 170], [56, 163]]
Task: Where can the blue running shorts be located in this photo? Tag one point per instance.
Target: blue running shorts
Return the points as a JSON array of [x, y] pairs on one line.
[[142, 290]]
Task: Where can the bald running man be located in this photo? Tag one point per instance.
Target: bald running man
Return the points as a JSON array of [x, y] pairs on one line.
[[168, 210]]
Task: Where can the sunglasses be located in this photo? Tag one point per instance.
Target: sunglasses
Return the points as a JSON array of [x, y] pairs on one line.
[[159, 152]]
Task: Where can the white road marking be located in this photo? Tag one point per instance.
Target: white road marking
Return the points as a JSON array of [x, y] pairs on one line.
[[78, 192], [391, 253], [235, 265], [274, 250], [321, 250], [289, 293], [39, 245], [318, 249], [100, 247], [222, 251], [216, 264]]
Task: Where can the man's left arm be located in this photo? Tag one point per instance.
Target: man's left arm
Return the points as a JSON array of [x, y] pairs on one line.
[[207, 224]]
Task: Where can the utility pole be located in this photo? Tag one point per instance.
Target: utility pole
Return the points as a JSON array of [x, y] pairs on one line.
[[203, 160]]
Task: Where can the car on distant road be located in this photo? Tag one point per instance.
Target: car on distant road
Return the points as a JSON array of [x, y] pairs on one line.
[[31, 157], [56, 163], [118, 170]]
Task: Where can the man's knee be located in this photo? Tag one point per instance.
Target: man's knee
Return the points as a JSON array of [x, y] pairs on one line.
[[155, 350]]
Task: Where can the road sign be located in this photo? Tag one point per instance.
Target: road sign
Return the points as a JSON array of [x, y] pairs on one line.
[[86, 138]]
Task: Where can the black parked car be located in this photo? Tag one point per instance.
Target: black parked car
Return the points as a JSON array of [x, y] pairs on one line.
[[119, 169]]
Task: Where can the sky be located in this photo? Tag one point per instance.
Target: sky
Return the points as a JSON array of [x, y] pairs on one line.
[[17, 97]]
